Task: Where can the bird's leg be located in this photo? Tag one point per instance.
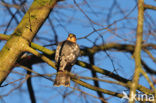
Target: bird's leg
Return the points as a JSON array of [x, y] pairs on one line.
[[62, 68]]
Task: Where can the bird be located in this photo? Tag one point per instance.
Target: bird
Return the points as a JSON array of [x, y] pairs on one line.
[[66, 55]]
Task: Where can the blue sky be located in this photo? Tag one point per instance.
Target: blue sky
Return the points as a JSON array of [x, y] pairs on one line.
[[67, 18]]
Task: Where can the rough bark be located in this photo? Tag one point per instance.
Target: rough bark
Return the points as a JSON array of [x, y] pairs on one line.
[[23, 35]]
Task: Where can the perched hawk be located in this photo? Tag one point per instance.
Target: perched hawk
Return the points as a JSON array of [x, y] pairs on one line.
[[65, 57]]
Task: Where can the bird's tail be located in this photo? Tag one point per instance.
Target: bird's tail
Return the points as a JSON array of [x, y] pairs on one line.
[[62, 78]]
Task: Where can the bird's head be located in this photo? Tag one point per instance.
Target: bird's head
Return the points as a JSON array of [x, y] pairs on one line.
[[71, 37]]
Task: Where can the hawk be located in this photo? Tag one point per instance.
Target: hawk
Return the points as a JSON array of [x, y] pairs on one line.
[[66, 55]]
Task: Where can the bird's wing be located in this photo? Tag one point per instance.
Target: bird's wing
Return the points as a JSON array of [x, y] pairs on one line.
[[57, 53], [66, 54], [70, 52]]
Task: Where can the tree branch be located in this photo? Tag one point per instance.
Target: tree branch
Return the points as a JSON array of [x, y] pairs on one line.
[[121, 47], [146, 6], [137, 52], [23, 35], [96, 83]]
